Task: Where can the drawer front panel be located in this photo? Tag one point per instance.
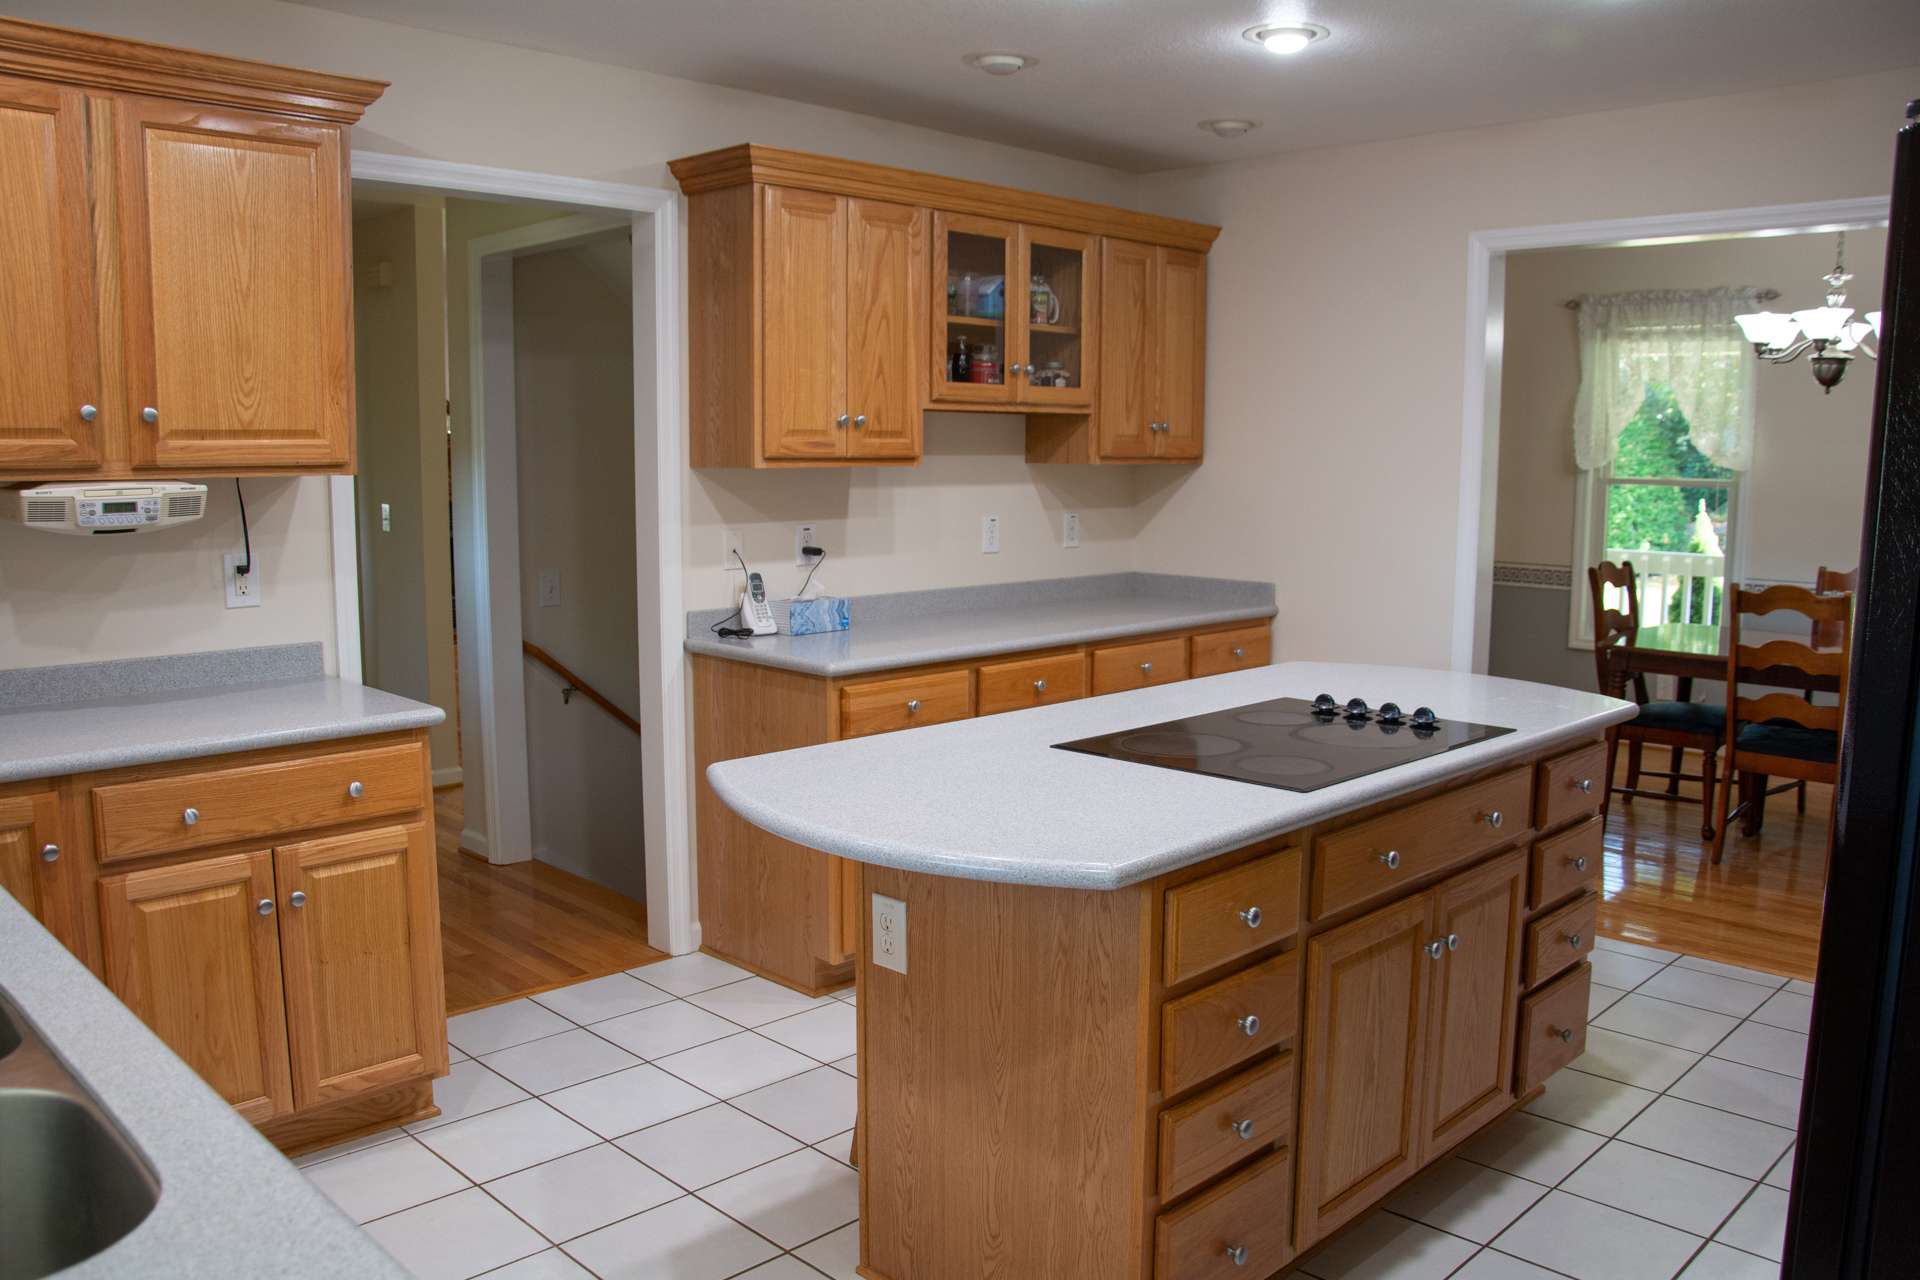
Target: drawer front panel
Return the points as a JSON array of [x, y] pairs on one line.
[[134, 819], [1219, 651], [1567, 863], [1572, 785], [1553, 1027], [1557, 940], [1032, 682], [1215, 1131], [1238, 1229], [882, 706], [1382, 855], [1231, 914], [1221, 1026], [1135, 666]]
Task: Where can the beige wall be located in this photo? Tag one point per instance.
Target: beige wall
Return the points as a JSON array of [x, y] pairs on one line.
[[1336, 330]]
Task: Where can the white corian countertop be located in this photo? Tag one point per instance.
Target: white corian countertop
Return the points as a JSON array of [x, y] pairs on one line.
[[991, 799]]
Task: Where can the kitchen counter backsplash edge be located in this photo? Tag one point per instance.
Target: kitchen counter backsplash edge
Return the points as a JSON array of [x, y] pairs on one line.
[[25, 687]]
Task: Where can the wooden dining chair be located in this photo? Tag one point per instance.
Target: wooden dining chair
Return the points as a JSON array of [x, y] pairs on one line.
[[1780, 734], [1826, 635], [1676, 725]]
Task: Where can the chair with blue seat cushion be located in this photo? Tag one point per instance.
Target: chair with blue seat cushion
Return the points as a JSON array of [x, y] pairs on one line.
[[1676, 725], [1777, 733]]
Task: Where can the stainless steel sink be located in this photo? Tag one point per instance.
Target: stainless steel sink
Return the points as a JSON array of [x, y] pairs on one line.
[[71, 1184]]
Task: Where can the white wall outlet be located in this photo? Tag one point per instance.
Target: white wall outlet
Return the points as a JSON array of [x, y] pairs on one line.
[[1070, 530], [386, 517], [803, 537], [890, 933], [549, 588], [243, 589], [732, 550], [990, 535]]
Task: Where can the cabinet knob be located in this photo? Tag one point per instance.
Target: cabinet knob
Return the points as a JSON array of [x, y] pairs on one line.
[[859, 420], [1249, 1024], [1563, 1034], [840, 421], [1242, 1129], [1579, 864], [1017, 369], [264, 906], [1239, 652], [1495, 818], [913, 705], [88, 413], [356, 789], [1453, 942], [1585, 785], [298, 898], [1146, 668], [1573, 940], [191, 816], [1253, 917], [149, 414], [1391, 858], [1039, 686], [49, 853], [1237, 1254], [1434, 949]]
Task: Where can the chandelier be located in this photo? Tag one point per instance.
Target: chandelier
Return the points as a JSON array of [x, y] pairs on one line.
[[1829, 334]]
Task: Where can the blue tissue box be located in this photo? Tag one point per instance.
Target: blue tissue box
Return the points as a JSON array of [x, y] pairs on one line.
[[826, 613]]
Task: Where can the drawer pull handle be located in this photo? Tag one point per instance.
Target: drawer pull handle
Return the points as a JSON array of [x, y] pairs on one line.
[[913, 705], [1495, 818], [1453, 942], [840, 421], [356, 789], [264, 906], [298, 898], [1242, 1129], [1239, 652], [1579, 864], [859, 420], [88, 412], [1391, 857], [1146, 668], [1573, 940], [1249, 1024], [1237, 1254], [49, 853], [1585, 785], [1039, 686], [191, 816], [1253, 916], [1434, 949], [1563, 1034]]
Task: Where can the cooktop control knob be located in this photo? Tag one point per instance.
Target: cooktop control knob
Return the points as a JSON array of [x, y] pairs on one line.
[[1390, 713], [1324, 702], [1424, 717], [1357, 708]]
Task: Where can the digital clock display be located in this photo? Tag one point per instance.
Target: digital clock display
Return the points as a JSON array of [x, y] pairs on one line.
[[119, 508]]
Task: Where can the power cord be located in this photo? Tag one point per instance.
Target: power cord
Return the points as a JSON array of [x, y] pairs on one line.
[[245, 567], [818, 555], [721, 628]]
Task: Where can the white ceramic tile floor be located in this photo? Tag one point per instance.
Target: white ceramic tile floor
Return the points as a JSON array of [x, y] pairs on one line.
[[726, 1157]]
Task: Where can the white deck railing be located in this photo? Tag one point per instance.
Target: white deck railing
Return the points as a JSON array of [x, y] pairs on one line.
[[1695, 583]]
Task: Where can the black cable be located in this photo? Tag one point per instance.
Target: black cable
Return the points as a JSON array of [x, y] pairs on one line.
[[246, 565], [721, 628], [818, 555]]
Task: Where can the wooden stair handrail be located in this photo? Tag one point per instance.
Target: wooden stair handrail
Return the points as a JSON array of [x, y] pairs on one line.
[[574, 682]]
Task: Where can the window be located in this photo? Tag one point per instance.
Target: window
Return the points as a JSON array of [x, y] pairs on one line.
[[1663, 505]]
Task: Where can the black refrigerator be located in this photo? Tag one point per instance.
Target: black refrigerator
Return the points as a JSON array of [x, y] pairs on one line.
[[1855, 1205]]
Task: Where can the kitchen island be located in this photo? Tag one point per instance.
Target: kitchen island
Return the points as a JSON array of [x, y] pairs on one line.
[[1122, 1019]]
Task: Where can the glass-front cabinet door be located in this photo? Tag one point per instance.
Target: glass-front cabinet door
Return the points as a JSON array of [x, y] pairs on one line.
[[976, 294], [1055, 344]]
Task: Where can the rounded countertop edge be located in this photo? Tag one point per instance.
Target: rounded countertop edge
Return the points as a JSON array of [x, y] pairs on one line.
[[1107, 876]]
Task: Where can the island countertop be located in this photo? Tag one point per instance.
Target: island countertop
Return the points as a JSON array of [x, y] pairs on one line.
[[992, 799]]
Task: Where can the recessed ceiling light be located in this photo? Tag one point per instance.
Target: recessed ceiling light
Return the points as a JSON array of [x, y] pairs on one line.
[[1229, 128], [1286, 39], [999, 64]]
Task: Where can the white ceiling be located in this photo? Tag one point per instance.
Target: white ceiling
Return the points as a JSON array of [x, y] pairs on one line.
[[1125, 82]]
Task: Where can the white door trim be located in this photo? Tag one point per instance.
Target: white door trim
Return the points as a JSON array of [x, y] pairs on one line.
[[1480, 401], [660, 425]]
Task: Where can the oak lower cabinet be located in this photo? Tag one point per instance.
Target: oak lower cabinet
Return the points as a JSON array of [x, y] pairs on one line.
[[37, 867]]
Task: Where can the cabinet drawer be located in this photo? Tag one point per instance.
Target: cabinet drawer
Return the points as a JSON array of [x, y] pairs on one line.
[[1231, 914], [1556, 940], [882, 706], [1383, 854], [1240, 1228], [1566, 863], [1032, 682], [1135, 666], [1572, 784], [1219, 651], [1221, 1026], [134, 819], [1553, 1027], [1220, 1128]]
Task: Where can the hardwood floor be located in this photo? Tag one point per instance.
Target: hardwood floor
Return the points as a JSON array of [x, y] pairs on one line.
[[526, 927], [1759, 908]]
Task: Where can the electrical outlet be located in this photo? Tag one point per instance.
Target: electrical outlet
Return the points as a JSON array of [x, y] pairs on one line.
[[990, 535], [549, 588], [243, 589], [1070, 530], [889, 933], [732, 550], [386, 517], [803, 537]]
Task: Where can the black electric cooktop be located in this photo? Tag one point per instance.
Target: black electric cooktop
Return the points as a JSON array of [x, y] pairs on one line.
[[1290, 743]]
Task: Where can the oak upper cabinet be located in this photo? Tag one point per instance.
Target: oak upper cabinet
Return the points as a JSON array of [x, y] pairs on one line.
[[1475, 982], [1153, 353], [1018, 319], [37, 866], [194, 950], [886, 314], [175, 275], [804, 287], [50, 378]]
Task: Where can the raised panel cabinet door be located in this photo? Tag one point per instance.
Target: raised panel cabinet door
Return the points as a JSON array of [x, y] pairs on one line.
[[1470, 1013], [238, 306], [361, 937], [192, 949], [1057, 324], [804, 326], [49, 347], [976, 294], [1129, 285], [886, 297], [1362, 1063], [1180, 353], [36, 865]]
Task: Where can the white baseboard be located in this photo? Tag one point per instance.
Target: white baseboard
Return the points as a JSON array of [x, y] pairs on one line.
[[448, 777], [474, 841]]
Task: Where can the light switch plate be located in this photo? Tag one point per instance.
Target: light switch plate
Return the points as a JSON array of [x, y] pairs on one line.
[[990, 535], [732, 550], [889, 933], [549, 588], [386, 517], [1070, 530]]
